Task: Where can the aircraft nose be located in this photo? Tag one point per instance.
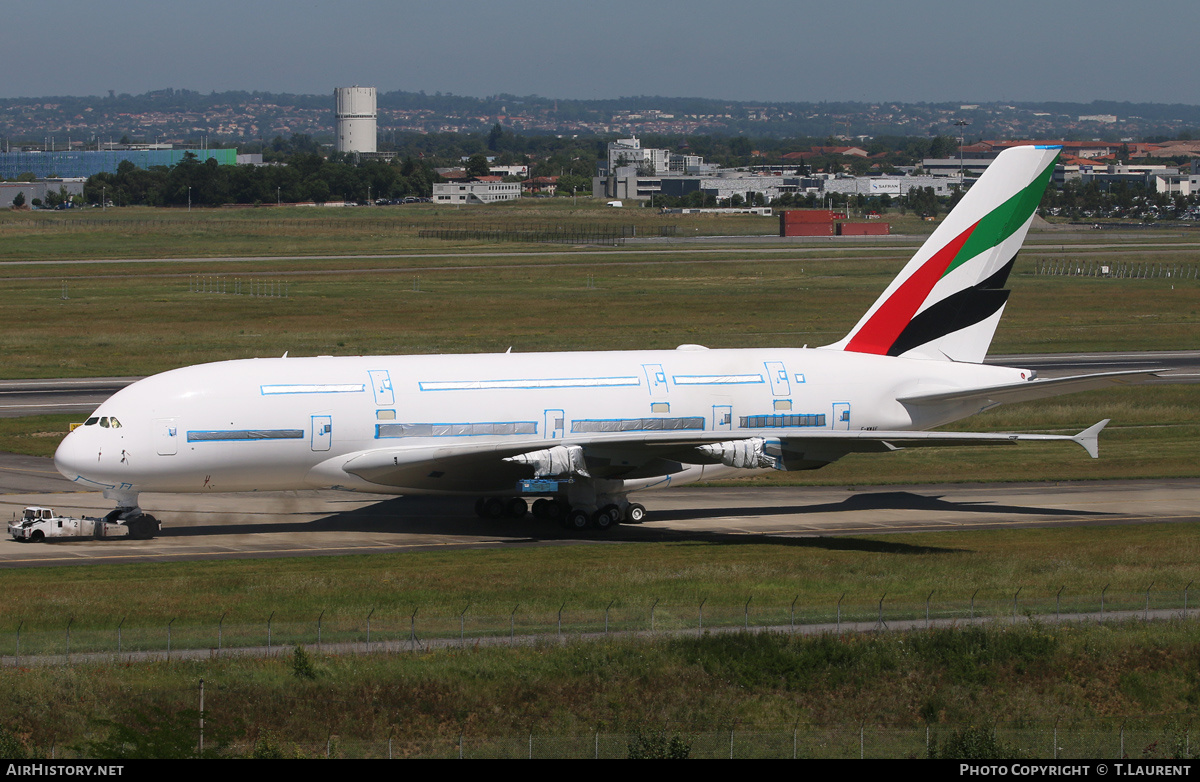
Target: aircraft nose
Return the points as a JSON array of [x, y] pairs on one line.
[[69, 458]]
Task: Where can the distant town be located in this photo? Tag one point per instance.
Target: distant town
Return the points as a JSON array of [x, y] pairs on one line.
[[236, 118], [175, 148]]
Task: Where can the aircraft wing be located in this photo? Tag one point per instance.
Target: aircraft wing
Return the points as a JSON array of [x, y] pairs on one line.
[[497, 467], [1030, 389]]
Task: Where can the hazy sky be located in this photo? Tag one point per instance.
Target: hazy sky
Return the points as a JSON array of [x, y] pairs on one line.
[[863, 50]]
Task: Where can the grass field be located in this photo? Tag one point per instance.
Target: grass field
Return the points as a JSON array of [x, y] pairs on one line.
[[1089, 678]]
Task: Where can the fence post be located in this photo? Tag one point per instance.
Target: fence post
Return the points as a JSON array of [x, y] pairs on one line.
[[654, 606], [512, 624], [69, 621], [792, 614], [1102, 591], [927, 599], [1185, 595], [701, 628], [169, 636], [269, 618], [1146, 614], [839, 612], [560, 610], [412, 630], [1014, 621], [1058, 604], [973, 604], [372, 613], [610, 605], [746, 612], [881, 623], [119, 634], [462, 633], [319, 618]]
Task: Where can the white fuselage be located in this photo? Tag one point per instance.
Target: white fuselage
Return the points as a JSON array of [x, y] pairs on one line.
[[291, 423]]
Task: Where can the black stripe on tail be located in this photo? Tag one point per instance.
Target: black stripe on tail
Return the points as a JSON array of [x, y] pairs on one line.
[[955, 312]]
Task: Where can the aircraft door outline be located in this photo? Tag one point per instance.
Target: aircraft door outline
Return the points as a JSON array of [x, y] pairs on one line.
[[322, 432], [841, 415], [556, 421], [777, 374], [166, 436], [722, 418], [381, 384], [656, 379]]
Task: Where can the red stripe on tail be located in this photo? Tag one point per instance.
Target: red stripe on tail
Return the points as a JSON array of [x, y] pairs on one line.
[[885, 325]]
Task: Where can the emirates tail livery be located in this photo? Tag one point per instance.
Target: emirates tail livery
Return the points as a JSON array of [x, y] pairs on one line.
[[581, 431]]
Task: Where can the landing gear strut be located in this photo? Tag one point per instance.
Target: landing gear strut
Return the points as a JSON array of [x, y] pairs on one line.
[[142, 526]]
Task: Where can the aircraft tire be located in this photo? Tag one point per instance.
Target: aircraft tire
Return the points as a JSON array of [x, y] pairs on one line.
[[606, 518], [635, 513], [493, 508], [577, 519], [479, 503], [539, 509], [516, 507], [143, 527]]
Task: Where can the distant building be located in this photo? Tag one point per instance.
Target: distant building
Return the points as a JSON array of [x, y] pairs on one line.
[[76, 163], [521, 171], [356, 113], [633, 171], [475, 192], [38, 190], [546, 185]]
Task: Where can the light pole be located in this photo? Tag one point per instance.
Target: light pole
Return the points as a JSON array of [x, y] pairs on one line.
[[189, 198], [962, 123]]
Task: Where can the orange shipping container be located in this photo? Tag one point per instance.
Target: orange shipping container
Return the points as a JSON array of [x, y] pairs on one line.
[[864, 229], [806, 229]]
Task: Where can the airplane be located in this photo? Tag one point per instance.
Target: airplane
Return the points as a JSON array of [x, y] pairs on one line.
[[581, 431]]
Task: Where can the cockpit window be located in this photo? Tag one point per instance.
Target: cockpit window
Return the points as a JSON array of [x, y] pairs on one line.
[[115, 423], [104, 422], [91, 421]]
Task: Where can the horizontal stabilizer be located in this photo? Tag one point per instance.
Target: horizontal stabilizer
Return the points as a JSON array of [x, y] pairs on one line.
[[1030, 389]]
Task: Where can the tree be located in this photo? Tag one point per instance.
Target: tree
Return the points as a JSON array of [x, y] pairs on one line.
[[19, 200], [477, 165]]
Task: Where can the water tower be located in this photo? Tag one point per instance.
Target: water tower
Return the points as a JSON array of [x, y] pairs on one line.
[[355, 119]]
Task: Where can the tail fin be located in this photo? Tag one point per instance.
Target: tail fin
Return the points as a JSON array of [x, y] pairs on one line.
[[947, 301]]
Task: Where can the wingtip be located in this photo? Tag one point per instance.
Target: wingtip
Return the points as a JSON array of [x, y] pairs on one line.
[[1090, 438]]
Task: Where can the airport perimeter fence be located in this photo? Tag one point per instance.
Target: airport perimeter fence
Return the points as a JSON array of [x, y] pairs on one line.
[[1062, 267], [399, 628], [1142, 737], [608, 235]]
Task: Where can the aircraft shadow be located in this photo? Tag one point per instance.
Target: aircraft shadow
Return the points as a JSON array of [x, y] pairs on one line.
[[449, 517], [857, 503]]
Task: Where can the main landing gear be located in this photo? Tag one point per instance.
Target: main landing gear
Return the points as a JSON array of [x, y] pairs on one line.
[[142, 526], [559, 510]]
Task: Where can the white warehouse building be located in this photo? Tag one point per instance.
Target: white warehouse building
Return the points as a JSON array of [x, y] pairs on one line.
[[475, 192]]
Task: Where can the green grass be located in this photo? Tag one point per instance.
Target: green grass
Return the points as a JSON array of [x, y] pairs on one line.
[[1087, 681], [134, 322], [1087, 678], [814, 572]]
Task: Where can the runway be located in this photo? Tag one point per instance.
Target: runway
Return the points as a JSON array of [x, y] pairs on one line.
[[278, 524]]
